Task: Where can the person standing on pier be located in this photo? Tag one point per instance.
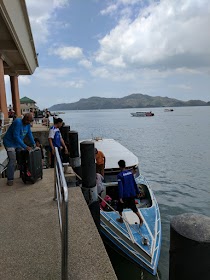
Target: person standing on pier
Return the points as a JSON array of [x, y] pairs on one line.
[[100, 162], [55, 139], [127, 191], [14, 140]]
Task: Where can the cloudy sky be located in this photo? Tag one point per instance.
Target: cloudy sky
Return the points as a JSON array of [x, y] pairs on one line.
[[113, 48]]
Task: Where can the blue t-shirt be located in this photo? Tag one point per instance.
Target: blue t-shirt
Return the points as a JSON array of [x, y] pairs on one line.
[[16, 133], [127, 186]]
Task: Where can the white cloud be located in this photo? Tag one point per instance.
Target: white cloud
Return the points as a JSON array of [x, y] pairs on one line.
[[24, 80], [6, 79], [109, 10], [67, 52], [41, 14], [73, 84], [162, 35], [86, 63], [52, 74], [112, 8], [58, 77], [182, 86]]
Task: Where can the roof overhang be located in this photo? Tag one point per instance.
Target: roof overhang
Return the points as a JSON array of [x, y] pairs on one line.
[[16, 41]]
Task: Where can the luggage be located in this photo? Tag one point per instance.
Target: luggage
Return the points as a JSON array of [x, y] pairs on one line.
[[30, 165]]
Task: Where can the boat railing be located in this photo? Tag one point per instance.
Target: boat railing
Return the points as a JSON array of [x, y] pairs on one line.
[[61, 196]]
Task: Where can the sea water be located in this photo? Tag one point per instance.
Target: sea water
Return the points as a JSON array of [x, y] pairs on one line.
[[174, 154]]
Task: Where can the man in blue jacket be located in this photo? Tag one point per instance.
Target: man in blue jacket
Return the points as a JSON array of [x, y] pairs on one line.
[[13, 139], [128, 190]]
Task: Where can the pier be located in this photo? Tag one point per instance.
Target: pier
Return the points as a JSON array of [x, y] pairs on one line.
[[30, 243]]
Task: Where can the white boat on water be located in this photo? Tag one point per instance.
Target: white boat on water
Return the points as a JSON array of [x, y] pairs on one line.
[[142, 114], [168, 110], [140, 244]]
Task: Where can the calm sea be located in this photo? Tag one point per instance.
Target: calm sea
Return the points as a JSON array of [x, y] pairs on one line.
[[174, 154]]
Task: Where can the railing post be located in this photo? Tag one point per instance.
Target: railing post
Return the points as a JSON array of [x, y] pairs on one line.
[[61, 195], [55, 178], [65, 241]]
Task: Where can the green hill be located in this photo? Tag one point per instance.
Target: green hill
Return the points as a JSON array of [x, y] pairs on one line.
[[136, 100]]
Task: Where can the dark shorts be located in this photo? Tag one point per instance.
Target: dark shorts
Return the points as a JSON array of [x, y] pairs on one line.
[[129, 202]]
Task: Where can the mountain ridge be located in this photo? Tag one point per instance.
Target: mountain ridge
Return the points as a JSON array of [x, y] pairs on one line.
[[135, 100]]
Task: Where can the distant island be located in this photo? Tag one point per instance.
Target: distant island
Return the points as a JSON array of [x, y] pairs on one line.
[[136, 100]]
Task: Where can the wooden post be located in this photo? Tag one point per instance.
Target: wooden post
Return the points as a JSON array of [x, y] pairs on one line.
[[15, 95], [3, 100], [89, 179], [189, 247]]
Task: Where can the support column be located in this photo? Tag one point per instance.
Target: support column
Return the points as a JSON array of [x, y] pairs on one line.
[[3, 99], [15, 95]]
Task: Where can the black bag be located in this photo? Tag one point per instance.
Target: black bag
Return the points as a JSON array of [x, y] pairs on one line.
[[30, 163]]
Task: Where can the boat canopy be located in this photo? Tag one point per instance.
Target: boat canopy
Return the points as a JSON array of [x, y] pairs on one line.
[[114, 152]]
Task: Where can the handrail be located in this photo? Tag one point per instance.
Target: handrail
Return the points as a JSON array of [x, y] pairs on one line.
[[4, 129], [61, 195]]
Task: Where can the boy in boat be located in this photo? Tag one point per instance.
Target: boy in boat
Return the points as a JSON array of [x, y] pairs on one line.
[[128, 190]]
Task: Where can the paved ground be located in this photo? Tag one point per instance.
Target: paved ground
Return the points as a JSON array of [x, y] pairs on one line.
[[30, 237]]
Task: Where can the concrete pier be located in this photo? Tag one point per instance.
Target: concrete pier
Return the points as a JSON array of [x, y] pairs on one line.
[[30, 237]]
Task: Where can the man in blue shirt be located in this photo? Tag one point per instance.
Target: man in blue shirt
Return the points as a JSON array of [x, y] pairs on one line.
[[128, 190], [13, 139]]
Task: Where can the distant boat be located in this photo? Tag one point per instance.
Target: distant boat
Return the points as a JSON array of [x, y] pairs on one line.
[[142, 114], [56, 113], [168, 110]]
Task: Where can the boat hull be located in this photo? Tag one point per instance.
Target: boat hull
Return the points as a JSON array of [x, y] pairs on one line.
[[130, 242], [142, 114]]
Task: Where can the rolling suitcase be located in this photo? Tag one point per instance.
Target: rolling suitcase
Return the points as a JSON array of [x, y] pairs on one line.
[[30, 165]]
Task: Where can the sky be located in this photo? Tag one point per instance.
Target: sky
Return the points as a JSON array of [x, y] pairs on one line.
[[113, 48]]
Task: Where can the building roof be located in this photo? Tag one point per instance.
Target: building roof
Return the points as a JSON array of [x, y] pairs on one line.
[[17, 47], [26, 100]]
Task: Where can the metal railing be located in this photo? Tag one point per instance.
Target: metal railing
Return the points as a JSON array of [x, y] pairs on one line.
[[3, 130], [61, 196]]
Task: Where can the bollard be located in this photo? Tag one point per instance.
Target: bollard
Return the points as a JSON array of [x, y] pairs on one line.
[[64, 132], [89, 179], [73, 144], [189, 247], [74, 160]]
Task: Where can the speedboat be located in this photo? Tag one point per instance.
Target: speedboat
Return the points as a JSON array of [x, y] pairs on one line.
[[140, 243], [168, 110], [142, 114]]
